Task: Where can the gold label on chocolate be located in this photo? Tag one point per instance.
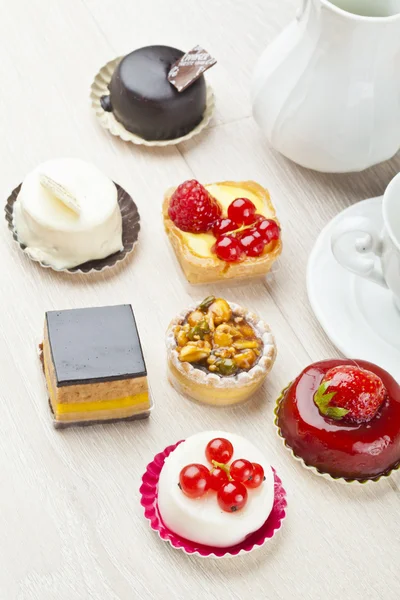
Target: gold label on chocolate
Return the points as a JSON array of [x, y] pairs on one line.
[[189, 68], [61, 193]]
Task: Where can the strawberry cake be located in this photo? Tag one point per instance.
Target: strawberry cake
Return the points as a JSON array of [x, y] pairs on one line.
[[216, 489], [342, 417]]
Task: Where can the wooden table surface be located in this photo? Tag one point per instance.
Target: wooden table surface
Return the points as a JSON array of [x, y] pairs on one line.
[[71, 524]]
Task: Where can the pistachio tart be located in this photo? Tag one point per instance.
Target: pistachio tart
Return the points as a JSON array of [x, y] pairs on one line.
[[218, 352], [226, 230]]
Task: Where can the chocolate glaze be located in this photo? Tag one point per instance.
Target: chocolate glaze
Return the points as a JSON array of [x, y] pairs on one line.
[[94, 345], [146, 103]]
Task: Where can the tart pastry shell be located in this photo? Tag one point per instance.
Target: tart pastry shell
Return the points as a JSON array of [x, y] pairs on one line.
[[213, 389], [107, 120], [314, 470], [199, 269], [149, 494]]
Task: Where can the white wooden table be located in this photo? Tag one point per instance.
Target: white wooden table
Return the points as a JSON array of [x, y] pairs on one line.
[[71, 525]]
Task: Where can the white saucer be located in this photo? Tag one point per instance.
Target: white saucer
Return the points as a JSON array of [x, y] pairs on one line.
[[359, 316]]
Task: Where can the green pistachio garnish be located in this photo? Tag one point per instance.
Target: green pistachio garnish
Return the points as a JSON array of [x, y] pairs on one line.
[[205, 305], [199, 331], [226, 366]]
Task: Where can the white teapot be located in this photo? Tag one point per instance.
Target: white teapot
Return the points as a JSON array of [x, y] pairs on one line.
[[326, 92]]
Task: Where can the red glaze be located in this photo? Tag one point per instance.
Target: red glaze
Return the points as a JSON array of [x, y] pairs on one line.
[[362, 451]]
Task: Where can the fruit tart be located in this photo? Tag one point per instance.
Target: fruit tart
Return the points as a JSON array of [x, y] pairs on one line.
[[342, 418], [223, 230], [215, 489], [218, 352]]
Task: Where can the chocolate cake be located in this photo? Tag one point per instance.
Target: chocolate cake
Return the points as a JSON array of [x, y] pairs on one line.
[[146, 103], [94, 366]]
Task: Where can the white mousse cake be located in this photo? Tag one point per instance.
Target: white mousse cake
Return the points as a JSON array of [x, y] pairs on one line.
[[67, 213], [201, 520]]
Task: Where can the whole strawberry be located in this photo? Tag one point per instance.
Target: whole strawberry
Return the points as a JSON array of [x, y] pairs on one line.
[[350, 394], [192, 208]]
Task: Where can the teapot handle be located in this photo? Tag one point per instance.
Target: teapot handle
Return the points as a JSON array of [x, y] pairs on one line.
[[302, 9]]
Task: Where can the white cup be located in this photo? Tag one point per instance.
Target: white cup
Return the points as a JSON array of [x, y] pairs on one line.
[[359, 244]]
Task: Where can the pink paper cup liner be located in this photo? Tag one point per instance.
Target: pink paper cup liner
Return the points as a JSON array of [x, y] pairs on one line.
[[149, 493]]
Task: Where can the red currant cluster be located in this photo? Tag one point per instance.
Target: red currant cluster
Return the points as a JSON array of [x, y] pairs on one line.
[[230, 482], [244, 232]]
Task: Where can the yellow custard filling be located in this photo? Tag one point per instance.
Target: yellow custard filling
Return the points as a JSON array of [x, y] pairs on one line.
[[80, 407], [201, 243]]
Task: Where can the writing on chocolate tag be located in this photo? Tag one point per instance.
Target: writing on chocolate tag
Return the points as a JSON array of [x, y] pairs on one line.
[[61, 193], [189, 68]]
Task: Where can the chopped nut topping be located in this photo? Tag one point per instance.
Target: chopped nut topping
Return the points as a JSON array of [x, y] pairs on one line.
[[195, 318], [242, 345], [217, 340]]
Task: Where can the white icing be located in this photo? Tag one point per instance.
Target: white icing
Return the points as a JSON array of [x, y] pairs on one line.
[[54, 233], [198, 375], [201, 520]]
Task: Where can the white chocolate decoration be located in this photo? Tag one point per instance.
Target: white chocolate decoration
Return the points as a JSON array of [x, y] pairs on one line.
[[201, 520], [60, 193], [67, 213]]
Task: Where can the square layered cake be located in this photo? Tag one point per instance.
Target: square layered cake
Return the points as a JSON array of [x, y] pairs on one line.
[[94, 366]]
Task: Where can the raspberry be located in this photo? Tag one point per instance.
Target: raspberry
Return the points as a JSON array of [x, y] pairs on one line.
[[192, 208]]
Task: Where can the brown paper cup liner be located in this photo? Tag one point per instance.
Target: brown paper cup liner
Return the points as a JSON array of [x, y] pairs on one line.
[[130, 234], [107, 120], [313, 469], [57, 425]]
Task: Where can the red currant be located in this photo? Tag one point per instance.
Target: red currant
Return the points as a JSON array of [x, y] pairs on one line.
[[218, 478], [269, 229], [222, 226], [194, 480], [257, 478], [241, 470], [228, 248], [232, 496], [220, 450], [252, 242], [242, 211]]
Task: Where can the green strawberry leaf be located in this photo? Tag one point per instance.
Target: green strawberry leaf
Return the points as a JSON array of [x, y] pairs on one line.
[[322, 400], [335, 412]]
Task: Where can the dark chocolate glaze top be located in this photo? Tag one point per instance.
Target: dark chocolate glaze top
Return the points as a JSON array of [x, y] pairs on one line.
[[93, 345], [146, 103]]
